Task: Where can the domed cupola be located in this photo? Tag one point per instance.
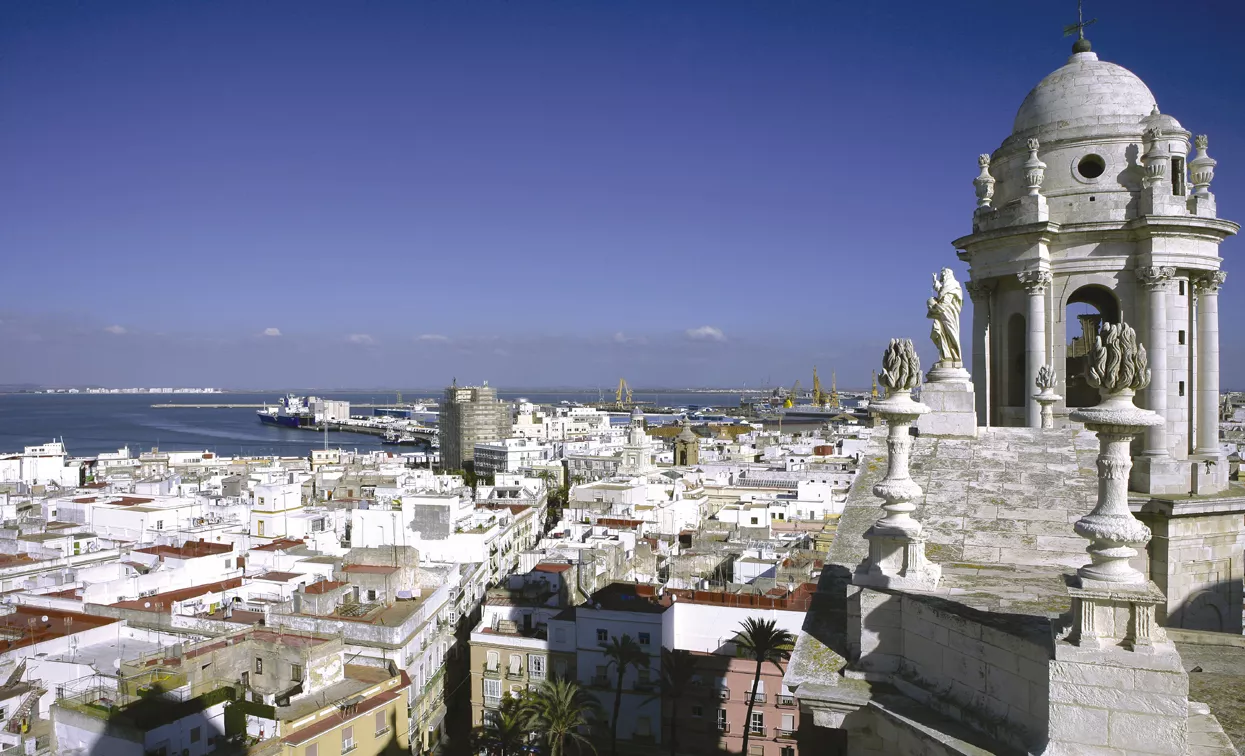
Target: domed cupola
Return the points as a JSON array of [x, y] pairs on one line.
[[1094, 209]]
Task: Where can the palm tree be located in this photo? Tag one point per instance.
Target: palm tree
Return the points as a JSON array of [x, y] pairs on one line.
[[557, 710], [764, 641], [506, 733], [622, 653], [678, 667]]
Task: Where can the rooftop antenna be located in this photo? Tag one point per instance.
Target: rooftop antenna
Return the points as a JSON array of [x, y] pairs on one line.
[[1081, 45]]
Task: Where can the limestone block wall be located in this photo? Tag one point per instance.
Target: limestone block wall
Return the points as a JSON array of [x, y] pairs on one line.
[[957, 662], [1198, 561], [1119, 708]]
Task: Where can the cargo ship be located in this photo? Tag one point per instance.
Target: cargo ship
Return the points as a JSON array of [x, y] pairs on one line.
[[291, 412]]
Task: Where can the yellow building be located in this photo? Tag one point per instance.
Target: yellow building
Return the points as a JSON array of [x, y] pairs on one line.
[[369, 724]]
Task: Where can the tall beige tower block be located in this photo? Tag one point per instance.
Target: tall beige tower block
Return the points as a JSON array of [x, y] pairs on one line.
[[1097, 209]]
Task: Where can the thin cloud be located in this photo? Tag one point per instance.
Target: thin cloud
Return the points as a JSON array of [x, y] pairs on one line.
[[434, 337], [705, 333], [622, 338], [115, 330], [362, 339], [271, 332]]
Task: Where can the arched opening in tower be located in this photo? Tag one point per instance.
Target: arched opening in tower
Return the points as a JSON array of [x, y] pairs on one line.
[[1088, 308], [1016, 362]]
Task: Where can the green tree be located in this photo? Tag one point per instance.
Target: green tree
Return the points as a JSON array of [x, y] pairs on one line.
[[623, 654], [678, 667], [764, 641], [558, 709], [506, 733]]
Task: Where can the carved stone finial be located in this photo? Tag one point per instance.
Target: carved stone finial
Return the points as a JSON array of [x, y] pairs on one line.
[[984, 183], [1202, 167], [1035, 169], [1156, 157], [1117, 361], [1046, 378], [901, 367], [1117, 368]]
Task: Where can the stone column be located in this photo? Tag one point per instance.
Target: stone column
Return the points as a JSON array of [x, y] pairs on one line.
[[1208, 362], [980, 292], [1157, 283], [1035, 283]]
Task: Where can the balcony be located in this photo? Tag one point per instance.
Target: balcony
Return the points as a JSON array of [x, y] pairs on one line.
[[724, 727], [646, 686], [786, 700], [756, 730], [757, 697], [600, 681], [492, 702], [514, 674], [782, 734], [491, 670]]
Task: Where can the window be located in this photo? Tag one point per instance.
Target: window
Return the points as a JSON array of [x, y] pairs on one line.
[[723, 725], [159, 524], [757, 724], [1091, 166], [603, 635], [348, 743], [317, 526], [195, 734], [229, 564], [758, 693], [641, 678], [756, 750], [788, 751], [724, 692], [1180, 337], [492, 692], [371, 594], [296, 672], [643, 727], [536, 667], [1178, 176], [261, 501], [754, 521], [645, 639], [1181, 288], [559, 668], [312, 750], [261, 527], [559, 634], [381, 726], [259, 666], [788, 724], [1182, 388], [698, 711], [492, 660], [516, 665]]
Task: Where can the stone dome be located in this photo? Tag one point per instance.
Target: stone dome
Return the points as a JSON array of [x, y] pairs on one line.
[[1083, 92]]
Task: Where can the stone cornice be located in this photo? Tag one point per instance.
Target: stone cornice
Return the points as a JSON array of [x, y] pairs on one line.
[[1145, 227]]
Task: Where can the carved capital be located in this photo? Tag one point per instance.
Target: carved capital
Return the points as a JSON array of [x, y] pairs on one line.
[[1210, 282], [979, 291], [1156, 278], [1035, 281]]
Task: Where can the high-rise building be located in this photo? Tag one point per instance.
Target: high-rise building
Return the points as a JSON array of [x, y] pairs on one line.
[[470, 415]]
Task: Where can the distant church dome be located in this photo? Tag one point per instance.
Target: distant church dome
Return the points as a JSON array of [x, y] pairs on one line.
[[1082, 92]]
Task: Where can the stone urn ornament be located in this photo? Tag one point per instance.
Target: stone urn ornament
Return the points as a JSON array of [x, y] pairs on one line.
[[1117, 367], [1046, 396]]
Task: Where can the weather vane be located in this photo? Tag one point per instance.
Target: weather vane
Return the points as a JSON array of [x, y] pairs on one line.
[[1079, 27]]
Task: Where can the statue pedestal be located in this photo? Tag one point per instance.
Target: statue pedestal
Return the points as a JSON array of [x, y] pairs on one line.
[[1160, 475], [948, 392]]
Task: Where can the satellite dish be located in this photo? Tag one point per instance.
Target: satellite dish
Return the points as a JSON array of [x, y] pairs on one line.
[[116, 663], [146, 604], [44, 618]]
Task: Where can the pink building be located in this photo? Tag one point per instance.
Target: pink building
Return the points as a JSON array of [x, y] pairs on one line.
[[713, 716]]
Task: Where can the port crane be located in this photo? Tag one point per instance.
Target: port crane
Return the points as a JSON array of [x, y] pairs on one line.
[[623, 394]]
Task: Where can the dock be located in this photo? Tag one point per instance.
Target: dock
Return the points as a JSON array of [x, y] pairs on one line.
[[362, 405]]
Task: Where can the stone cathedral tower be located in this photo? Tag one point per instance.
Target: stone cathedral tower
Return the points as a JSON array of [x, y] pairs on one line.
[[1097, 205]]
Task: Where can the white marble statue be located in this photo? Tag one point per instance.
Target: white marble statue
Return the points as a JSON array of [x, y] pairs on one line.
[[944, 309]]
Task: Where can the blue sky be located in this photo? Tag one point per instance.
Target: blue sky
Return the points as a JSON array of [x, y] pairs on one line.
[[535, 193]]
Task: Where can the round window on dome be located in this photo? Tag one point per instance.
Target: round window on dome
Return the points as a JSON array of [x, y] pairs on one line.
[[1091, 166]]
